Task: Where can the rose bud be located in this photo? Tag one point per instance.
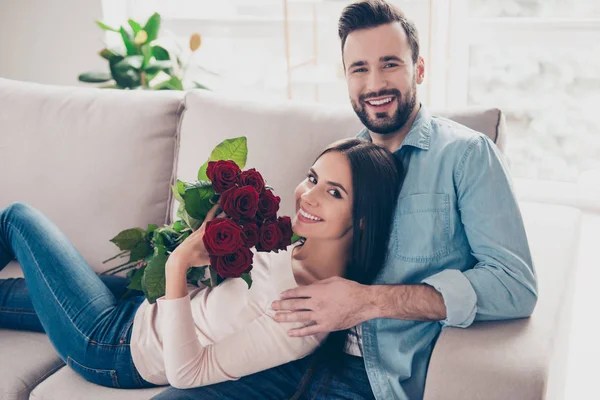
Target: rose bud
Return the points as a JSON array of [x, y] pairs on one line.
[[252, 178], [223, 175], [233, 265], [270, 237], [268, 205], [240, 203], [222, 236]]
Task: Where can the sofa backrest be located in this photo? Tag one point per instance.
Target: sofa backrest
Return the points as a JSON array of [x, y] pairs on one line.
[[95, 161], [283, 137]]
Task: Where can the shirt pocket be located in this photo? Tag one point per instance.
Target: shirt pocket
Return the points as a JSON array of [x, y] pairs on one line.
[[421, 231]]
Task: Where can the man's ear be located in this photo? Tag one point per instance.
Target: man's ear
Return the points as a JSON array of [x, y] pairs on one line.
[[420, 70]]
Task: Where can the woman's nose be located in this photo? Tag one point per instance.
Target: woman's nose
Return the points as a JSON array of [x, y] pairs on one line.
[[309, 198]]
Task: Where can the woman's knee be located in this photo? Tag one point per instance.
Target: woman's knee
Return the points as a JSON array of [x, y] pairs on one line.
[[16, 210]]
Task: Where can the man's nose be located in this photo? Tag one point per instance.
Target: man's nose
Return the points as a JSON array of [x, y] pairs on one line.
[[376, 82]]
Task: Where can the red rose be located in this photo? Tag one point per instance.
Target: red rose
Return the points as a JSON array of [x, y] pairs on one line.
[[285, 226], [222, 236], [252, 233], [240, 203], [270, 237], [268, 205], [252, 178], [233, 265], [223, 175]]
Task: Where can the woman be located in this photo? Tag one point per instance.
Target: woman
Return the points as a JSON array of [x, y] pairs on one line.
[[193, 337]]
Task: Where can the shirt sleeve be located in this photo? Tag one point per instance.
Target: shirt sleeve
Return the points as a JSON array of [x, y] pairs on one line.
[[503, 283], [261, 345]]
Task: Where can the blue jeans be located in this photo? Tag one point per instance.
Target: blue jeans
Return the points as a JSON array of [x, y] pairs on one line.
[[61, 295], [280, 383]]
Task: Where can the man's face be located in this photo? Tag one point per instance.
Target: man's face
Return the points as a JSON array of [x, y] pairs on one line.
[[382, 78]]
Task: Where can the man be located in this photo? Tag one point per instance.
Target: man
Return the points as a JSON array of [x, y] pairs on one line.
[[458, 251]]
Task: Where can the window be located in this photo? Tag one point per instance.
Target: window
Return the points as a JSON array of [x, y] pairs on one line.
[[535, 59]]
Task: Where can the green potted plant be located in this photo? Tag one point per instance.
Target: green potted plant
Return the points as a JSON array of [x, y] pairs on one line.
[[143, 64]]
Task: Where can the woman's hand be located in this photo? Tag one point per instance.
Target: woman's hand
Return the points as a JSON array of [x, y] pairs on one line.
[[192, 252], [188, 254]]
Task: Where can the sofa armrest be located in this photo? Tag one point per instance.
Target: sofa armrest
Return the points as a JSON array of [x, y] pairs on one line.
[[519, 359]]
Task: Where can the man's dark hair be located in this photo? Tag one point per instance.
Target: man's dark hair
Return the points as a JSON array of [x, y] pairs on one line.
[[373, 13]]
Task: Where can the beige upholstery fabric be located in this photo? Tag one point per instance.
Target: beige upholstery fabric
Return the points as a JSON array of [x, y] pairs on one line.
[[94, 161], [26, 359], [66, 384], [511, 360]]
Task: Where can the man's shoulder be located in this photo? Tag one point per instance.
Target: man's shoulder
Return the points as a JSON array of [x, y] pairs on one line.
[[451, 135]]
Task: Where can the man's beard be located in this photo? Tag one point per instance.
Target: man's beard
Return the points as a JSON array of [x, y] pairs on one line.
[[383, 123]]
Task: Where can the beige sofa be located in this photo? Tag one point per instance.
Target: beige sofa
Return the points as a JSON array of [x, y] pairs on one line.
[[99, 161]]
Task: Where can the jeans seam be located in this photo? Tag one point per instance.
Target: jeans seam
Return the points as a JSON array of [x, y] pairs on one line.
[[45, 281], [112, 372], [16, 311]]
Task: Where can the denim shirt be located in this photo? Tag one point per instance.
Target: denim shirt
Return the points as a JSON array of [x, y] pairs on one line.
[[458, 228]]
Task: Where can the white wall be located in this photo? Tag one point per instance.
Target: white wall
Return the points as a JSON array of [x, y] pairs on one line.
[[50, 41]]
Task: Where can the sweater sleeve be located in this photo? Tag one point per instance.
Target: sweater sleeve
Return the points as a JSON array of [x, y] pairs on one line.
[[262, 344]]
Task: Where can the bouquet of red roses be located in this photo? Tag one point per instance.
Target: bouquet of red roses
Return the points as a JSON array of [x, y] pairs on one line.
[[251, 222]]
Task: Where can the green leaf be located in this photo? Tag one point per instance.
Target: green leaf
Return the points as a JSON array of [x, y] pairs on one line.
[[146, 56], [151, 228], [109, 54], [130, 62], [197, 198], [235, 149], [95, 77], [295, 238], [135, 26], [135, 278], [176, 193], [160, 53], [155, 66], [171, 84], [153, 281], [129, 238], [196, 274], [152, 27], [106, 27], [200, 86], [214, 278], [140, 251], [128, 41], [179, 225], [246, 277]]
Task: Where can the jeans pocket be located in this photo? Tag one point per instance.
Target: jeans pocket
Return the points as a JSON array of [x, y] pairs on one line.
[[102, 377]]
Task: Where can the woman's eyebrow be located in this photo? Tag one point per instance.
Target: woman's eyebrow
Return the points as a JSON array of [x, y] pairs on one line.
[[329, 182]]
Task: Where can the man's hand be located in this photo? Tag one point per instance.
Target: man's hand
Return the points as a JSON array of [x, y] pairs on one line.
[[329, 305]]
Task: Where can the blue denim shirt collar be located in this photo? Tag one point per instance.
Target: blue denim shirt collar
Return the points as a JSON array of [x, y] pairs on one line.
[[419, 135]]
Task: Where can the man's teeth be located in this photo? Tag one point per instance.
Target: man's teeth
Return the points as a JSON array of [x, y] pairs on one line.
[[307, 215], [380, 102]]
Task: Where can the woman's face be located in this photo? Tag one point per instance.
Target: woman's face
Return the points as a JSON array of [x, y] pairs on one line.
[[324, 199]]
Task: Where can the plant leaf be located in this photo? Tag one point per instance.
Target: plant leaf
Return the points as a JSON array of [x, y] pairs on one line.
[[130, 62], [155, 66], [146, 56], [106, 27], [128, 41], [95, 77], [140, 251], [197, 198], [196, 274], [176, 194], [135, 278], [109, 54], [295, 238], [151, 228], [152, 27], [200, 86], [135, 26], [160, 53], [235, 149], [153, 281], [129, 238], [246, 277]]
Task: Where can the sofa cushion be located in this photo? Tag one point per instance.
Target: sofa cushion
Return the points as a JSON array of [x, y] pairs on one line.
[[27, 359], [66, 384], [94, 161], [283, 137]]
